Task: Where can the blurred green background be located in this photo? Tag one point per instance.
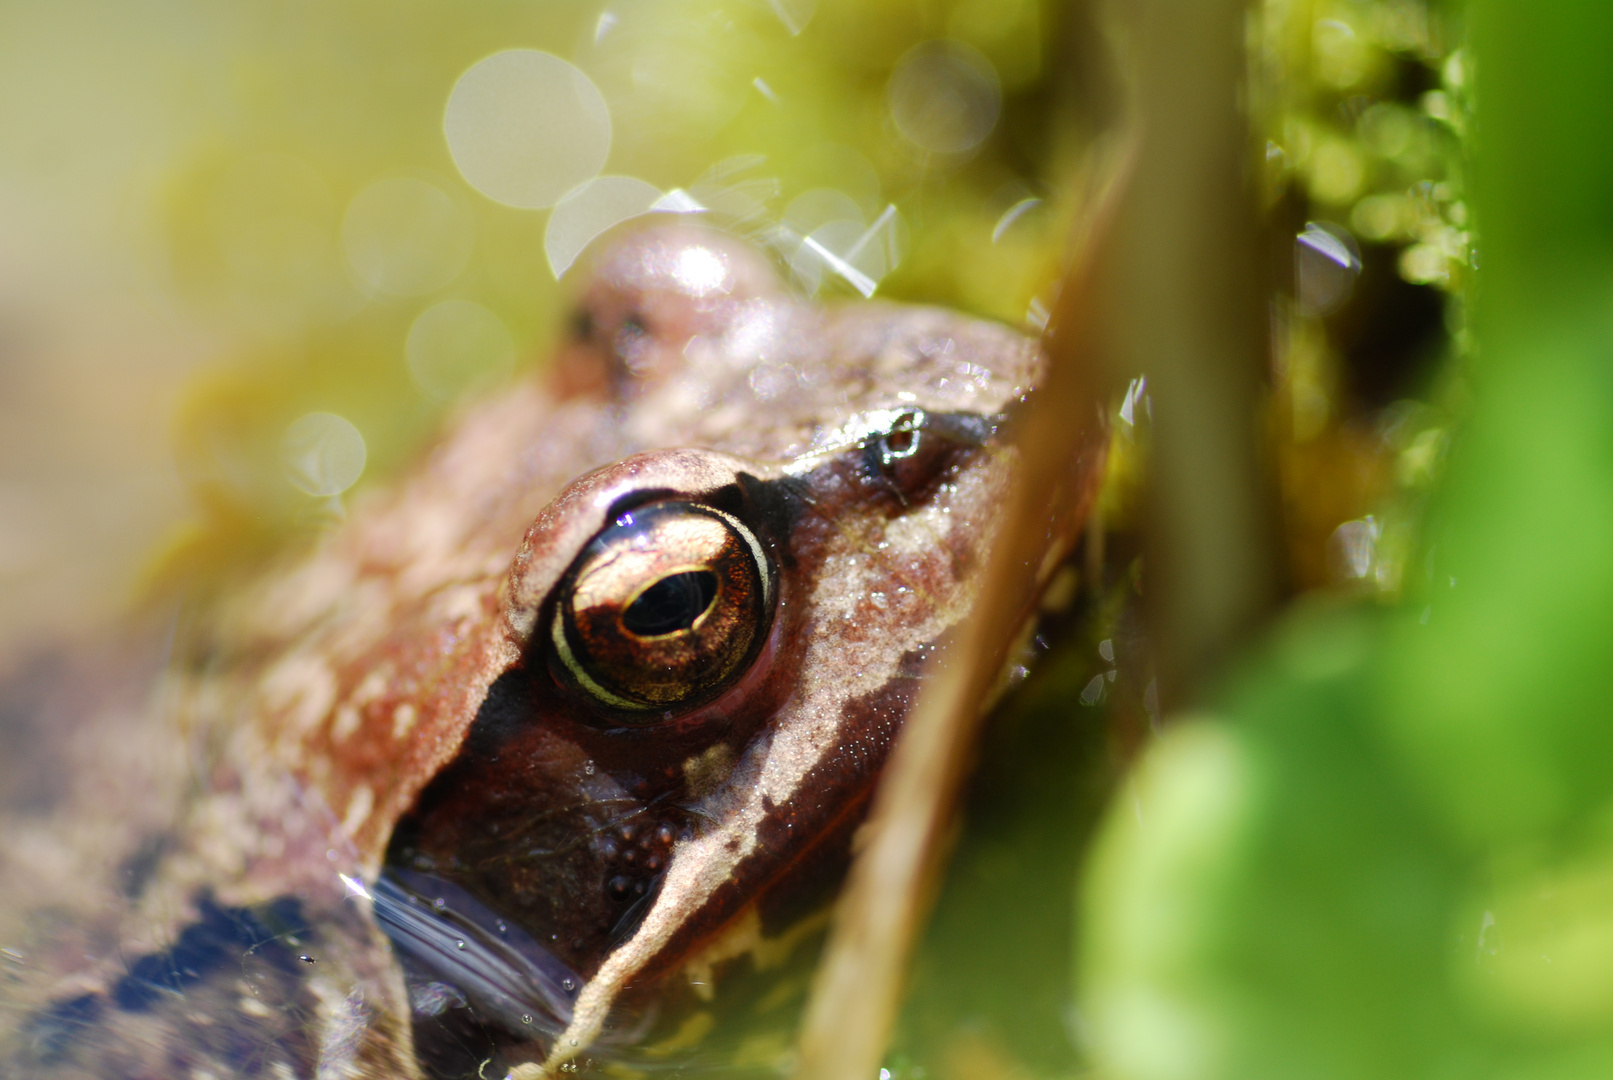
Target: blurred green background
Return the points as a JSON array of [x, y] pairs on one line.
[[1384, 851], [220, 218]]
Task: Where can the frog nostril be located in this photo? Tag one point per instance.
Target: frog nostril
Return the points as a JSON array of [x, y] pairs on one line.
[[582, 325]]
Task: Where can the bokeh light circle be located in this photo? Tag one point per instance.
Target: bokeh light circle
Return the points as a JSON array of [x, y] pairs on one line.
[[944, 97], [590, 210], [815, 208], [323, 453], [458, 346], [525, 127], [406, 237]]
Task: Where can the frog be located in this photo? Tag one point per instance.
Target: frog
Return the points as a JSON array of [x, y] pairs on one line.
[[551, 729]]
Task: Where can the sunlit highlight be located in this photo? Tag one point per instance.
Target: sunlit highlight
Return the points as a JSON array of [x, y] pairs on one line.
[[700, 271]]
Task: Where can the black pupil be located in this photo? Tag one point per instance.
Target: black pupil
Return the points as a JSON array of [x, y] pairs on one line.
[[671, 604]]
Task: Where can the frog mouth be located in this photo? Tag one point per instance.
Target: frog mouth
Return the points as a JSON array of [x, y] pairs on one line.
[[453, 946]]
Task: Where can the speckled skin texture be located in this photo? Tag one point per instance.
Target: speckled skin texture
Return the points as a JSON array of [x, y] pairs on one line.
[[391, 690]]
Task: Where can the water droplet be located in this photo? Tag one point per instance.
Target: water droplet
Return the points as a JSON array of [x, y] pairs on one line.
[[323, 454], [568, 984], [588, 768], [525, 127], [459, 944], [526, 1018]]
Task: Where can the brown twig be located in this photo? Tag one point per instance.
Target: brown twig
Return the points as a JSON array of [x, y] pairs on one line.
[[858, 986], [1186, 303], [1178, 271]]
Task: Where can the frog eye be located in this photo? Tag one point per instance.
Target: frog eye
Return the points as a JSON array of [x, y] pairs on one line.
[[663, 608]]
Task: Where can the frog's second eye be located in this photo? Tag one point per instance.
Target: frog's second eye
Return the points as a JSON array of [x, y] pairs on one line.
[[663, 608]]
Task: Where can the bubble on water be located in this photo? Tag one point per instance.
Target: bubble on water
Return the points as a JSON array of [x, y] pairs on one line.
[[944, 97], [525, 127], [323, 454], [406, 237], [590, 210], [458, 346]]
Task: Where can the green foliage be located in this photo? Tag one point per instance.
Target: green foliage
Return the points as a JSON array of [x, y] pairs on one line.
[[1389, 851]]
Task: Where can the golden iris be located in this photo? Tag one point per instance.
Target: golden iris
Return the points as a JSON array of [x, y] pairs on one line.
[[664, 607]]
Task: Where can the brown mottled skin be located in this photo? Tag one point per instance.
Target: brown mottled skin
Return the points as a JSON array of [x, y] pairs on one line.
[[180, 908]]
